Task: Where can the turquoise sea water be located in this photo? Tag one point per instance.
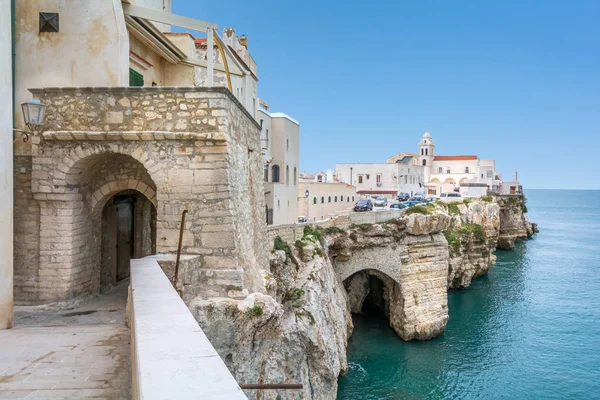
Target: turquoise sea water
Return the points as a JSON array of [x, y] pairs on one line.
[[530, 329]]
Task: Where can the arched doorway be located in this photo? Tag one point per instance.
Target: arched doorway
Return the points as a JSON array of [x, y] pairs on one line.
[[128, 229]]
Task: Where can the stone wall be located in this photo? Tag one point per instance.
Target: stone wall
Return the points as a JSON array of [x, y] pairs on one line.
[[194, 149]]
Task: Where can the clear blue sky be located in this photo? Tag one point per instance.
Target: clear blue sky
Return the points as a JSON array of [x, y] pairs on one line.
[[517, 81]]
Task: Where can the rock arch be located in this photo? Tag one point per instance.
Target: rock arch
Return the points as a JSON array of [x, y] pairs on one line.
[[386, 260]]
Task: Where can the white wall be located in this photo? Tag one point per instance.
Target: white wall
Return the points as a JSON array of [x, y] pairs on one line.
[[401, 177], [90, 49], [6, 176]]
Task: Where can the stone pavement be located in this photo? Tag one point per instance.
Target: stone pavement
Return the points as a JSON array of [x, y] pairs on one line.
[[82, 352]]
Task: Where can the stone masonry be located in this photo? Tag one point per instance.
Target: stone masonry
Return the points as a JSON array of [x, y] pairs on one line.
[[194, 149]]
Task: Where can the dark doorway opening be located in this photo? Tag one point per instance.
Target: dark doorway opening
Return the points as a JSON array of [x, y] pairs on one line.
[[128, 231]]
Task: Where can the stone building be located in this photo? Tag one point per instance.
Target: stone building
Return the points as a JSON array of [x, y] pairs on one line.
[[113, 167], [280, 138], [318, 201]]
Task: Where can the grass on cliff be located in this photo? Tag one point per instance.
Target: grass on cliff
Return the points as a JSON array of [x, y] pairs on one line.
[[453, 207], [255, 311], [474, 229], [279, 244], [453, 240], [314, 232], [487, 199], [418, 210], [334, 229]]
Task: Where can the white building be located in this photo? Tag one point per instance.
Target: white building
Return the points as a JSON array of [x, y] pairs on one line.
[[401, 173], [427, 173], [280, 138], [6, 168], [467, 174]]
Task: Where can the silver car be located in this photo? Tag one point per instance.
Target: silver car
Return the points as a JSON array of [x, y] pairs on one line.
[[380, 202]]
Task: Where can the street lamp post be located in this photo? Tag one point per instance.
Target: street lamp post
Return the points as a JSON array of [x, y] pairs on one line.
[[34, 113]]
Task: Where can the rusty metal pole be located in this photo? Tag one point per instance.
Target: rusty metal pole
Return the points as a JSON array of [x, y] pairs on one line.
[[271, 385], [176, 274]]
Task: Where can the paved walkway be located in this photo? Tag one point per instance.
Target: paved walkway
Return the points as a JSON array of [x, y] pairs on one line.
[[82, 352]]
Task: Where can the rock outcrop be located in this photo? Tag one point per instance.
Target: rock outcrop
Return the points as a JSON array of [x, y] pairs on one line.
[[298, 329], [297, 333], [413, 268], [514, 224]]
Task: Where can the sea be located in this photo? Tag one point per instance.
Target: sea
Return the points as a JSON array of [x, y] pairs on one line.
[[529, 329]]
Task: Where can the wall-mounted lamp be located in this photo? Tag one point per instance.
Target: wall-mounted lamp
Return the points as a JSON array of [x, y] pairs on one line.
[[306, 194], [33, 115]]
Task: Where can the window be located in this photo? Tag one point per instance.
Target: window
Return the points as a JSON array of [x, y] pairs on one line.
[[488, 174], [322, 199], [447, 170], [367, 176], [482, 175], [266, 177], [422, 152], [135, 78], [352, 198], [275, 173], [424, 162], [267, 136], [287, 144], [466, 170], [426, 152], [348, 199], [295, 177], [319, 178], [329, 199], [378, 178], [360, 178], [440, 170], [335, 199], [278, 204], [315, 200], [287, 175]]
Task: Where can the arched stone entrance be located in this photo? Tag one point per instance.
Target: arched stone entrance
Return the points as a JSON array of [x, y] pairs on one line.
[[128, 231], [84, 232]]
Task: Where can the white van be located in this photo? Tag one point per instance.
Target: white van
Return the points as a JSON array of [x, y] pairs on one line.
[[451, 194]]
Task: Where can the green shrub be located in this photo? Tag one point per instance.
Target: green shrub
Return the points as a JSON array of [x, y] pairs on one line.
[[255, 311], [417, 210], [314, 232], [308, 314], [319, 252], [279, 244], [467, 201], [453, 240], [475, 229], [487, 199], [334, 229], [297, 293], [362, 227], [453, 207], [525, 209]]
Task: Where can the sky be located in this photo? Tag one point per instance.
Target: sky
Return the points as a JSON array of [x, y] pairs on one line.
[[515, 81]]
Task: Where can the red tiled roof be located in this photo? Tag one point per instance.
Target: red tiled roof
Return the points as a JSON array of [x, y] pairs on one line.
[[454, 158], [376, 191]]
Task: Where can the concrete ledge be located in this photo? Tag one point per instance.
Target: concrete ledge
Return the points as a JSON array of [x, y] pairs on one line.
[[374, 217], [171, 356]]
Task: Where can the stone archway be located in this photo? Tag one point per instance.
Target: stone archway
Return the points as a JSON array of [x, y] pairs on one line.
[[71, 224]]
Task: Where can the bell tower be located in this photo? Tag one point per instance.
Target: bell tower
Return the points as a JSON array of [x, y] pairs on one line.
[[426, 154]]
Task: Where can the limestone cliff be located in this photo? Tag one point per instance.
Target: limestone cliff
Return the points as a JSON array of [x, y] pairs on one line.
[[297, 330], [297, 333], [514, 224]]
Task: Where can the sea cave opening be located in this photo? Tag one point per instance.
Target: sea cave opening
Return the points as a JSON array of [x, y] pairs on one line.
[[369, 293]]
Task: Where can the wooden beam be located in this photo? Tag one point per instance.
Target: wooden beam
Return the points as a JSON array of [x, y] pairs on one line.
[[168, 18]]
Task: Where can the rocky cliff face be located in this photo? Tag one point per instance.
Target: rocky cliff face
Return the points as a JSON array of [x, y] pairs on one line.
[[298, 329], [409, 259], [297, 333], [514, 224]]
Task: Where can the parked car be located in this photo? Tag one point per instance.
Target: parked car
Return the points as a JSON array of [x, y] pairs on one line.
[[364, 205], [417, 199], [398, 206], [411, 203], [403, 196], [380, 202], [430, 200], [302, 219], [451, 194]]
